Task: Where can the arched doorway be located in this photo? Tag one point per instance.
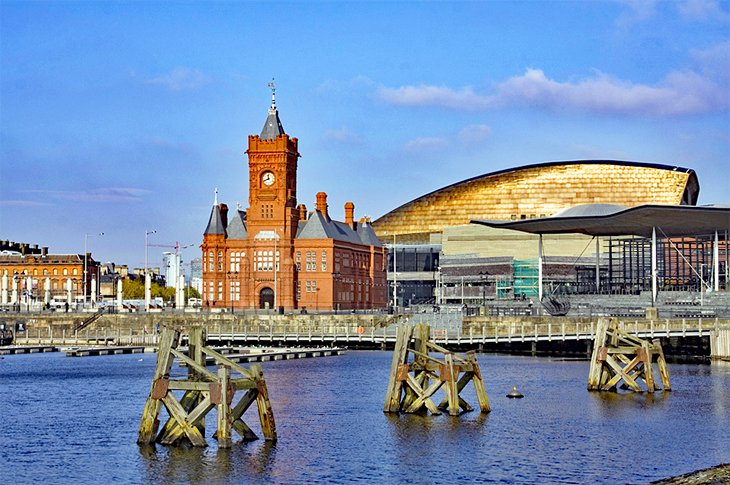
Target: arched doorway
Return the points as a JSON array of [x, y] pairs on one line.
[[266, 298]]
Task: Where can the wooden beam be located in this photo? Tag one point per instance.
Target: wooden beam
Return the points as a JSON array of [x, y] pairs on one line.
[[400, 357], [223, 433], [178, 413], [150, 415], [204, 374], [266, 414]]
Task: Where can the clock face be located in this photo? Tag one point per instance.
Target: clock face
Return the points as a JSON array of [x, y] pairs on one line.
[[268, 178]]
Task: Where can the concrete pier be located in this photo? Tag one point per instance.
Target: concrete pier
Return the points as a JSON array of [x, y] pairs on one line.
[[720, 344]]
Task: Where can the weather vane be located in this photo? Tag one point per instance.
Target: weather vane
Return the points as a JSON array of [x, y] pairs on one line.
[[272, 85]]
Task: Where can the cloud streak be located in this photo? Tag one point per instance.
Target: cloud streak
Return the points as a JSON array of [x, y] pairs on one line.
[[180, 79], [102, 194]]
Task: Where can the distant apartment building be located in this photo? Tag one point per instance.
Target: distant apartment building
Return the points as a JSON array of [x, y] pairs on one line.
[[171, 267], [196, 274]]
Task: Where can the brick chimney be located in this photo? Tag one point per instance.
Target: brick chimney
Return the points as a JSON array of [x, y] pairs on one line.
[[224, 214], [350, 214], [302, 212], [322, 204]]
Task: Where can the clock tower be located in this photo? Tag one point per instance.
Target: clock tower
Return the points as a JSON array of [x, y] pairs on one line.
[[272, 218], [272, 170]]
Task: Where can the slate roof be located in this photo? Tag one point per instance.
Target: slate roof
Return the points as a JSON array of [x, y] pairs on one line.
[[236, 226], [320, 227], [215, 223], [367, 235], [272, 126]]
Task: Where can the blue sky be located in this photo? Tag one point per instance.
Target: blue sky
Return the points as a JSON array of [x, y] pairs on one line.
[[123, 117]]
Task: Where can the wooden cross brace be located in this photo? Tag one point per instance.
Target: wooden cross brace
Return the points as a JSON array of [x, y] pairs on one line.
[[204, 390], [619, 356], [413, 383]]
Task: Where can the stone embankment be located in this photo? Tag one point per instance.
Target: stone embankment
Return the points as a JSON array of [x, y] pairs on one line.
[[139, 323]]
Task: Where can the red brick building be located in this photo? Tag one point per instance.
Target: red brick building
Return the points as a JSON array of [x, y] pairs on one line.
[[276, 253]]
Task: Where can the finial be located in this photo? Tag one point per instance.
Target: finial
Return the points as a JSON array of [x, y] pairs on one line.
[[272, 85], [215, 202]]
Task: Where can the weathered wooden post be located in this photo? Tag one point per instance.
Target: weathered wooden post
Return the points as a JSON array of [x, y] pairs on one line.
[[203, 391], [619, 356], [412, 393]]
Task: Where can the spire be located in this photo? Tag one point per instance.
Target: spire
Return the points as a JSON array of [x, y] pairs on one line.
[[272, 85], [215, 223], [272, 126]]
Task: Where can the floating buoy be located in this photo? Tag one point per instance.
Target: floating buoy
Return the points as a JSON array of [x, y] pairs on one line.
[[514, 393]]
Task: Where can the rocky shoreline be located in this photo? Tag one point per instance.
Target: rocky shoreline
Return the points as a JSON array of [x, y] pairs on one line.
[[719, 475]]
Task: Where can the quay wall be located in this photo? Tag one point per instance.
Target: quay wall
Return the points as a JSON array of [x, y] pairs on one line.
[[293, 323], [139, 323]]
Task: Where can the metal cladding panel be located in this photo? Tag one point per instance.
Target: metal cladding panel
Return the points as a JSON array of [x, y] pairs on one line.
[[538, 191]]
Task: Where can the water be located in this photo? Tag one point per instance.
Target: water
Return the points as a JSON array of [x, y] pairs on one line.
[[71, 420]]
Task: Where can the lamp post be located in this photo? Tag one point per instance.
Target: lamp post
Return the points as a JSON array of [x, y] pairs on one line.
[[86, 241], [483, 276], [147, 290], [276, 270]]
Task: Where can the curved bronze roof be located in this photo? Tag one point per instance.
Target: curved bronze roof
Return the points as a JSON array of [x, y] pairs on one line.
[[540, 190]]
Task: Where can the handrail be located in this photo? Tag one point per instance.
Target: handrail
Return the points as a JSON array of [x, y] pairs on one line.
[[88, 321]]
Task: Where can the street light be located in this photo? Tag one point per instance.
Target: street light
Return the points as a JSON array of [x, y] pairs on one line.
[[483, 276], [146, 290], [86, 241], [276, 270]]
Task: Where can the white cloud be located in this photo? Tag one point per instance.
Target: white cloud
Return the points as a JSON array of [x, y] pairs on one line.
[[181, 79], [714, 61], [474, 133], [426, 144], [637, 11], [343, 136], [683, 92], [703, 10], [425, 95]]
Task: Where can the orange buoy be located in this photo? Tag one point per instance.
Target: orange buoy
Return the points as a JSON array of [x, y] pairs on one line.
[[361, 330]]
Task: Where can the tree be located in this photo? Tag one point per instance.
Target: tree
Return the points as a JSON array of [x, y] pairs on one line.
[[191, 292], [132, 289]]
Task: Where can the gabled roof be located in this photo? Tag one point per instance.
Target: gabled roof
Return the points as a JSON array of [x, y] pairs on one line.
[[215, 223], [367, 235], [320, 227], [236, 226]]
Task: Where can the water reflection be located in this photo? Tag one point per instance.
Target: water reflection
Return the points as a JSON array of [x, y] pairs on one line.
[[188, 464]]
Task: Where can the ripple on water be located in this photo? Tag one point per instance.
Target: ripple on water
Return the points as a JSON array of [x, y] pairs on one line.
[[71, 420]]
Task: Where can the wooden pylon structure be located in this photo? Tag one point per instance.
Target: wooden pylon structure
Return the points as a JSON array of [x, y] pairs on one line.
[[416, 375], [619, 356], [203, 390]]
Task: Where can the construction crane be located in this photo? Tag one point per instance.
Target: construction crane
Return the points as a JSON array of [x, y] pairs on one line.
[[177, 246]]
